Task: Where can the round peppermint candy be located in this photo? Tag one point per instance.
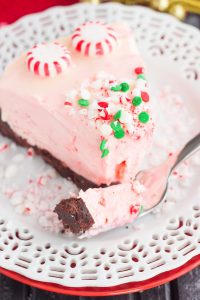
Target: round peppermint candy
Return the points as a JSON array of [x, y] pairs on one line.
[[94, 38], [48, 59]]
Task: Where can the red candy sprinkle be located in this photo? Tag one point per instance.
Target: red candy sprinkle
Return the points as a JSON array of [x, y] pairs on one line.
[[139, 70], [107, 116], [67, 103], [133, 210], [145, 96], [103, 104]]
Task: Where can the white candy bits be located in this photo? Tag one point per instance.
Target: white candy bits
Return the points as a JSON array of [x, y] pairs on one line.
[[48, 59], [94, 38]]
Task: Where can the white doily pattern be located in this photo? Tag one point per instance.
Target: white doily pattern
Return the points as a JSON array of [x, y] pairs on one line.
[[126, 254]]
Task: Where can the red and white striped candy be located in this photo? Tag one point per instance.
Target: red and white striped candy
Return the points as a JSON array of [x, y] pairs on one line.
[[48, 60], [94, 38]]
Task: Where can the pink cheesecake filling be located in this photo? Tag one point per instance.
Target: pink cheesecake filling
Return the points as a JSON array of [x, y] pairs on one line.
[[120, 204], [45, 111], [113, 206]]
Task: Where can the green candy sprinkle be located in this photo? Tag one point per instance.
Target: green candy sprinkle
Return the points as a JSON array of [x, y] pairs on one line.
[[124, 87], [115, 126], [137, 100], [141, 76], [83, 102], [143, 117], [105, 153], [116, 88], [118, 114], [141, 209], [118, 130], [103, 144], [119, 134]]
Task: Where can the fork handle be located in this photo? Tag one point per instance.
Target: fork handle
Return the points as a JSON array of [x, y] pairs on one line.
[[190, 148]]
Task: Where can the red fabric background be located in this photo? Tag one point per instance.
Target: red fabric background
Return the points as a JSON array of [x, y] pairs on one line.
[[11, 10]]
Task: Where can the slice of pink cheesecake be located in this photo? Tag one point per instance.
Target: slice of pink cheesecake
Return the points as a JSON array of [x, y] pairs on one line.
[[81, 102], [101, 209]]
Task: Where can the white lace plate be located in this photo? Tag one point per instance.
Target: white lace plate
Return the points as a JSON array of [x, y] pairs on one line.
[[155, 244]]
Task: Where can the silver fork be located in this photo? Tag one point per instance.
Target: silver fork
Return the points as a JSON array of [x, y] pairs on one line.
[[188, 150]]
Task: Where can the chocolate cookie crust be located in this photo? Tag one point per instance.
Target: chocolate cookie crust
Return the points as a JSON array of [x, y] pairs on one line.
[[74, 215]]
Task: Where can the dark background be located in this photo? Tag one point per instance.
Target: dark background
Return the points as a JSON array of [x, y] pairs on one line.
[[185, 288]]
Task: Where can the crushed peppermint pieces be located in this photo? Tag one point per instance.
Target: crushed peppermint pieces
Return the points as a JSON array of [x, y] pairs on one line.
[[83, 102], [143, 117], [106, 130], [103, 104], [106, 116], [4, 147], [85, 94], [30, 152], [126, 118], [112, 105]]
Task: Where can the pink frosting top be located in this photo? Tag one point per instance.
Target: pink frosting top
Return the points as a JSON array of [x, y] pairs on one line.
[[47, 111]]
